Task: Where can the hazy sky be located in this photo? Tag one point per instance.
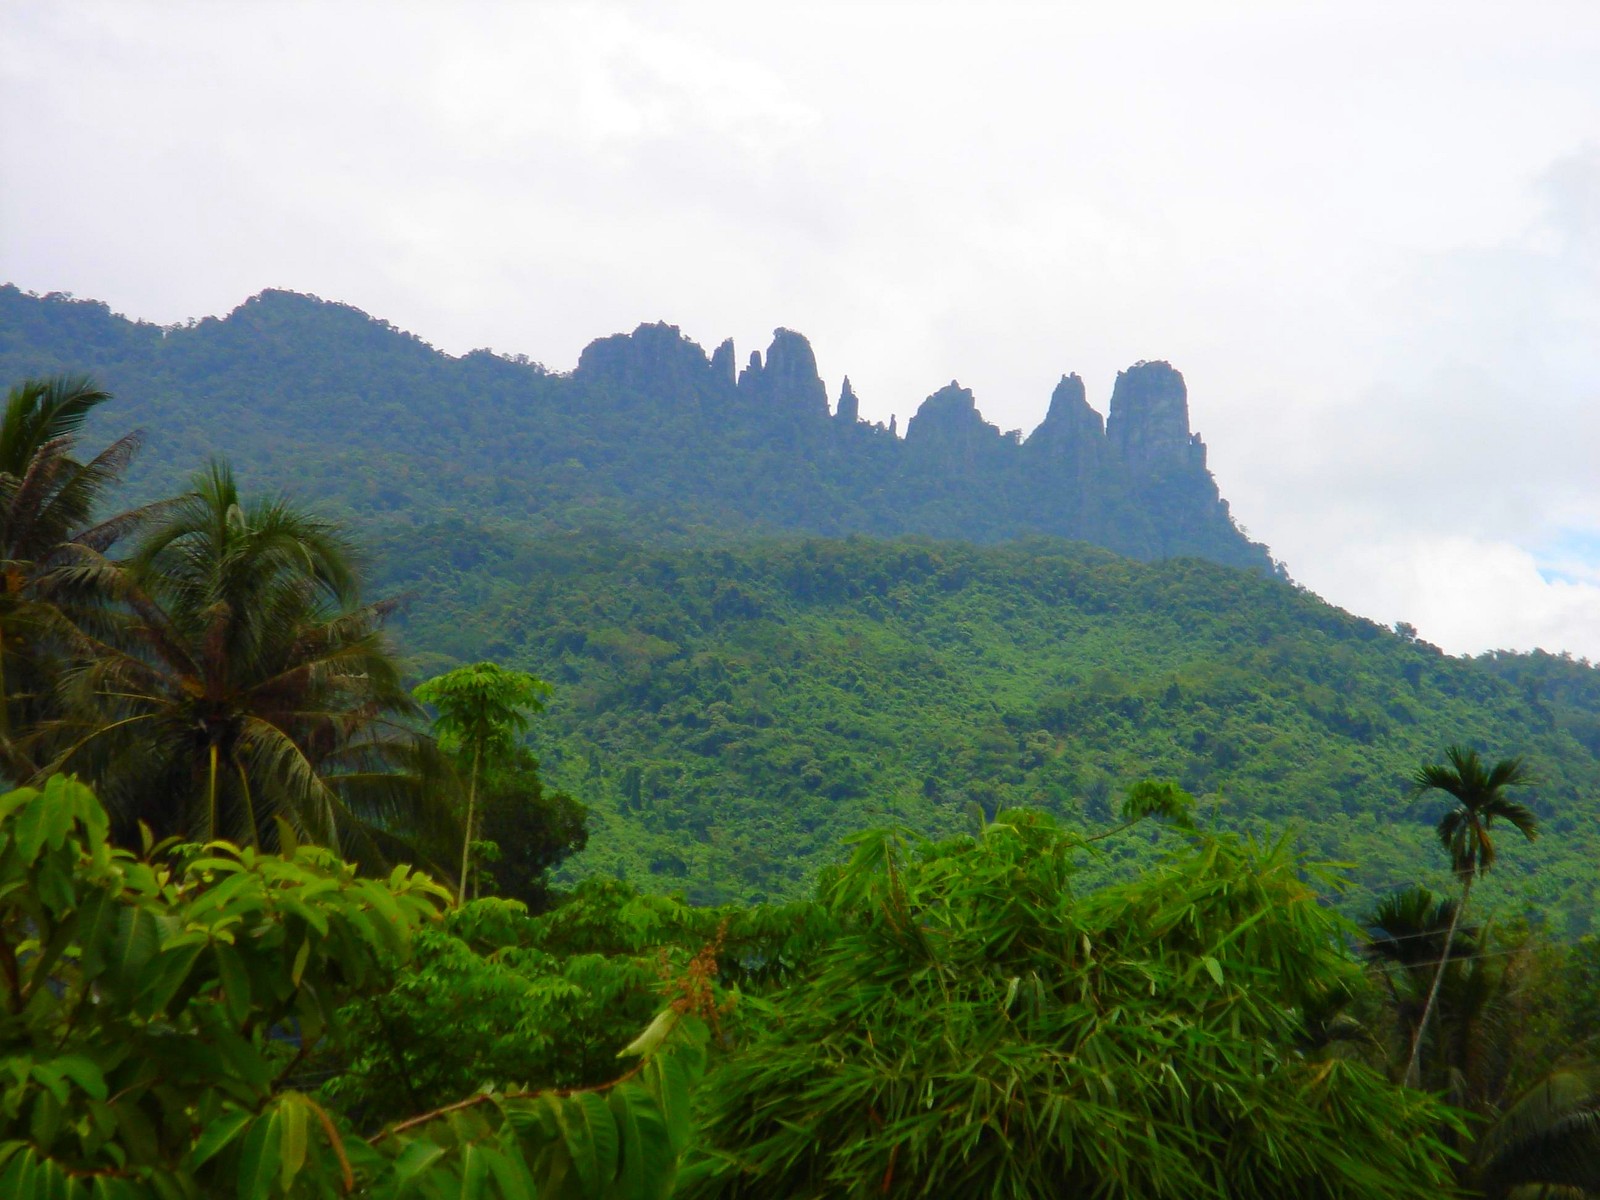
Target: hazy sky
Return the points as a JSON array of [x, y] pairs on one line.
[[1368, 234]]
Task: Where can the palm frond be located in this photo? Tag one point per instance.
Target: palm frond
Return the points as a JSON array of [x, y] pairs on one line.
[[1549, 1136], [1519, 815], [38, 411]]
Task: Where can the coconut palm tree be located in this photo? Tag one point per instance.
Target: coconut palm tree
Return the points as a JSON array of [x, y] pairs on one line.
[[48, 499], [1465, 832], [248, 682]]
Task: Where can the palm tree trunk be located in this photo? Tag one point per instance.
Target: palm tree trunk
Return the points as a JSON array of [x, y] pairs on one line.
[[466, 836], [5, 696], [1413, 1066], [211, 793], [249, 805]]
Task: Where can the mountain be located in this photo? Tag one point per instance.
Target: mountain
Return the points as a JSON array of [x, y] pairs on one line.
[[647, 430], [736, 691]]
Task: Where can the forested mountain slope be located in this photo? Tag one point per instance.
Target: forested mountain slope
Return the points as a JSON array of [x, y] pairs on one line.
[[729, 711], [730, 701], [648, 432]]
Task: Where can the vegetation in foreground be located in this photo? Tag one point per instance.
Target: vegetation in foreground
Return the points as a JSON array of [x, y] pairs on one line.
[[950, 1019]]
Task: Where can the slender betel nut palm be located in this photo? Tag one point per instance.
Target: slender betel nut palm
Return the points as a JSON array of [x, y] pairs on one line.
[[1465, 832]]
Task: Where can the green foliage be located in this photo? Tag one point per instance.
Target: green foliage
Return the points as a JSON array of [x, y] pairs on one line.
[[152, 1009], [498, 995], [482, 708], [622, 1142], [1464, 831], [1547, 1141], [1479, 792], [531, 828], [722, 747], [977, 1029], [154, 1014], [1159, 798], [48, 499]]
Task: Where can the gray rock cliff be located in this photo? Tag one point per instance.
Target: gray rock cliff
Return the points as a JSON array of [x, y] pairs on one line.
[[1149, 422], [848, 410], [789, 381]]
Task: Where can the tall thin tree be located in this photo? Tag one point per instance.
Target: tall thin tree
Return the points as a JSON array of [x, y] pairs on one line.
[[481, 709], [1465, 831]]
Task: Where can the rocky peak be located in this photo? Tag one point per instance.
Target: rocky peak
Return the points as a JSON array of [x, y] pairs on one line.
[[789, 379], [653, 358], [722, 362], [848, 409], [949, 415], [1071, 424], [1149, 421]]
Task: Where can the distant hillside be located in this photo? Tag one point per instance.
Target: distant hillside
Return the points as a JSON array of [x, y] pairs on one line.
[[648, 433], [729, 711]]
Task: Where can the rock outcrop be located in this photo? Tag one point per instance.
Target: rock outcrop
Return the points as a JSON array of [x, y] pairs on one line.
[[648, 426], [848, 410], [1149, 422], [789, 381], [1071, 429], [950, 415], [654, 357], [722, 364]]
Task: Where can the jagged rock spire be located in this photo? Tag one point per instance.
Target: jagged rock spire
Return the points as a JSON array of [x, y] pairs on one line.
[[1071, 425], [722, 362], [848, 409], [1149, 421], [789, 380]]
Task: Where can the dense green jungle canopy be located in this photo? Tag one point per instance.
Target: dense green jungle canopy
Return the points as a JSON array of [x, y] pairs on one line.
[[727, 711]]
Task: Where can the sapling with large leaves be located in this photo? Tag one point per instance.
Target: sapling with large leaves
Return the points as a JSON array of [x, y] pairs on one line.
[[482, 709]]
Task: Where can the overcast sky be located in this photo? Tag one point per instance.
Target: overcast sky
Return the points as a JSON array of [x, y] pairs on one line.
[[1368, 234]]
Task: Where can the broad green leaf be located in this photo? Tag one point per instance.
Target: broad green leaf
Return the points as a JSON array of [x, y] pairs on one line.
[[668, 1079], [84, 1072], [166, 975], [258, 1160], [600, 1136], [474, 1172], [235, 978], [292, 1144], [416, 1158], [216, 1136], [138, 936], [647, 1158], [509, 1174]]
